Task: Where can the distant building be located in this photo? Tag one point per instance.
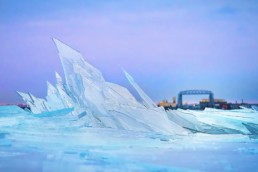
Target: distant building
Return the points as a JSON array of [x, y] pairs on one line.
[[167, 105], [218, 104], [239, 105], [174, 104]]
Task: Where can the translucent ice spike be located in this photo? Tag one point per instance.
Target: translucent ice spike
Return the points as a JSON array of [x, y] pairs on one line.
[[147, 100]]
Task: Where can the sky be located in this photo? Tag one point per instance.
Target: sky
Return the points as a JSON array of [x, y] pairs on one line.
[[166, 45]]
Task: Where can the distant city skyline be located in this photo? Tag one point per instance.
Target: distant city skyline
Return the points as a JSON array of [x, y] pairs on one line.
[[167, 46]]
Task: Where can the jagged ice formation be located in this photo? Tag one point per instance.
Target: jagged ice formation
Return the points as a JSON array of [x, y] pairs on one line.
[[86, 95]]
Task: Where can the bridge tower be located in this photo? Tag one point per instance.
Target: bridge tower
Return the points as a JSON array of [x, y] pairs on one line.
[[194, 92]]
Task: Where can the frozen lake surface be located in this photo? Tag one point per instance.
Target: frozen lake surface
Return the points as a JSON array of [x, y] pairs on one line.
[[62, 143]]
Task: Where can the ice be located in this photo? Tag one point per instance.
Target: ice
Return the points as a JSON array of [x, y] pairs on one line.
[[37, 105], [216, 121], [56, 99], [255, 107], [67, 98], [104, 104], [86, 123], [59, 142], [74, 68], [11, 110], [221, 121], [110, 104], [53, 98], [147, 100]]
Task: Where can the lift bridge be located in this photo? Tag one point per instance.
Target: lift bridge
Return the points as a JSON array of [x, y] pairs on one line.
[[194, 92]]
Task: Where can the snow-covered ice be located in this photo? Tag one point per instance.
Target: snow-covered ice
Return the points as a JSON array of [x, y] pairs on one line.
[[86, 123]]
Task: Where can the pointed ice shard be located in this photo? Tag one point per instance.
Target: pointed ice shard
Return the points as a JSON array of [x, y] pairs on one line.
[[59, 80], [70, 56], [147, 100], [78, 74], [53, 98], [37, 105], [50, 89], [64, 93]]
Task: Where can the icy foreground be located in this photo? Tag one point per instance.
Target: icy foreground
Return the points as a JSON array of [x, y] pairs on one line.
[[60, 142], [88, 124]]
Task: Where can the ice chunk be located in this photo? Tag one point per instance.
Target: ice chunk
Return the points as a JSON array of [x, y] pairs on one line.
[[186, 120], [53, 98], [69, 57], [86, 83], [110, 104], [65, 95], [144, 119], [81, 78], [37, 105], [119, 92], [147, 100], [253, 128], [213, 122]]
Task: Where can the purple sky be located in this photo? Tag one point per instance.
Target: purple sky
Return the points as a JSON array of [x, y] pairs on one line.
[[167, 46]]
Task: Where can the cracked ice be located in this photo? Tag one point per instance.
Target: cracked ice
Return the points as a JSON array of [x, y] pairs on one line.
[[88, 123]]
